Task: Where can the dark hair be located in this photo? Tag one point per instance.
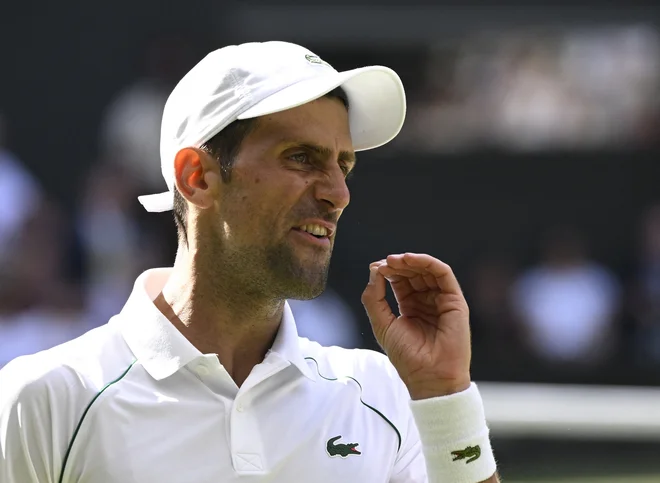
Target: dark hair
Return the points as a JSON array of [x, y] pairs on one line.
[[224, 147]]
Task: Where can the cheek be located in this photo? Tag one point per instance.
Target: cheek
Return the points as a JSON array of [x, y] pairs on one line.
[[254, 214], [263, 204]]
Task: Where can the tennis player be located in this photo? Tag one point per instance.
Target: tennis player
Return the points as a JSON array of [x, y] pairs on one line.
[[202, 378]]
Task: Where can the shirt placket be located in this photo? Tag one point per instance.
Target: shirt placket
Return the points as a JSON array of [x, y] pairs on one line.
[[246, 434]]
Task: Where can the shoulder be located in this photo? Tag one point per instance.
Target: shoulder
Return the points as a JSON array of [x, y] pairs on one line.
[[44, 395], [371, 369], [61, 379], [380, 387]]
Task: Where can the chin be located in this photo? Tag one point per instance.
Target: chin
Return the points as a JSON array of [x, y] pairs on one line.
[[306, 289], [309, 294], [307, 284], [299, 279]]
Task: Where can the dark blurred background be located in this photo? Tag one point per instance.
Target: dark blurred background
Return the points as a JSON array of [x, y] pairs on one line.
[[529, 161]]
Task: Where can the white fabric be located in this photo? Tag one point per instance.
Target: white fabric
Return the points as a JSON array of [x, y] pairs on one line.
[[259, 78], [455, 423], [175, 415]]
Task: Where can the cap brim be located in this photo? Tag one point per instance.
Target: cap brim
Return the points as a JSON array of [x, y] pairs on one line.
[[158, 202], [375, 94]]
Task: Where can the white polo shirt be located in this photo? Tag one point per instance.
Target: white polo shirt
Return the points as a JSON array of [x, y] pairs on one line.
[[134, 401]]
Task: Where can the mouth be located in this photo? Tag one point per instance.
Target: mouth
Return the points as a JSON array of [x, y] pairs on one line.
[[315, 233]]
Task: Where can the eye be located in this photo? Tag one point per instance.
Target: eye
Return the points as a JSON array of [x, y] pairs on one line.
[[346, 169], [301, 158]]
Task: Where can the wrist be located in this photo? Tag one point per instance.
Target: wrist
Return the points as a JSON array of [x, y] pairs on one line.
[[455, 437], [436, 388]]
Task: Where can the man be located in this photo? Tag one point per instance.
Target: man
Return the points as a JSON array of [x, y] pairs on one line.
[[202, 376]]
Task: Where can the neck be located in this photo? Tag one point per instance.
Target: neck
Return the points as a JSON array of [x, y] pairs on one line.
[[217, 317]]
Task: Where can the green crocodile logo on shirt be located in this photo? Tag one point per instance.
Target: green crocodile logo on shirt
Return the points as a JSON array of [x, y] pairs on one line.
[[471, 452], [341, 449]]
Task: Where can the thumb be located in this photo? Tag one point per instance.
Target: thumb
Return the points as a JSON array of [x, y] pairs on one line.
[[373, 298]]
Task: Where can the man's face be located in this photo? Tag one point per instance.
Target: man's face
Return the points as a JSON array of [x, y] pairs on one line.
[[289, 179]]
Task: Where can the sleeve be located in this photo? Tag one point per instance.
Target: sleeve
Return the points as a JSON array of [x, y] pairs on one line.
[[387, 391], [26, 429], [410, 465]]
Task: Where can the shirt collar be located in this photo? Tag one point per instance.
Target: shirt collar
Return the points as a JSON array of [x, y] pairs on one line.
[[162, 350], [159, 347], [287, 344]]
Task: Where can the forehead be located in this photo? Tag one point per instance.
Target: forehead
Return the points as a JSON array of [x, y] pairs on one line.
[[323, 121]]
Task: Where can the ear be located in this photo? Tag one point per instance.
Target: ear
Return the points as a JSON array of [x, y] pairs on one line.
[[197, 177]]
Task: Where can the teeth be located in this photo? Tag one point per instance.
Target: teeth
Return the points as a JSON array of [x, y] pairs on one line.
[[315, 230]]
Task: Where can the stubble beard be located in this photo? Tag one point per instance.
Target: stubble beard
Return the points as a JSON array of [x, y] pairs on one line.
[[295, 278], [272, 272]]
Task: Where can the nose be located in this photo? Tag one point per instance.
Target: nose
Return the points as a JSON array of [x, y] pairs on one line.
[[332, 189]]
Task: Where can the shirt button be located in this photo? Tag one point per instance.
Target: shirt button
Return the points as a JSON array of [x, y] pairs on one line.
[[202, 371], [240, 408]]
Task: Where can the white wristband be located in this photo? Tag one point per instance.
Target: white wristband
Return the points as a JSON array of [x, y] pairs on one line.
[[454, 437]]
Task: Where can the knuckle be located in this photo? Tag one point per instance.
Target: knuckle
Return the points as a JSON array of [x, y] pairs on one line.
[[365, 297]]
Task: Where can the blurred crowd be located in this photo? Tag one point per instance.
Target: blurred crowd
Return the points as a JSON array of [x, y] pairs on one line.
[[64, 272], [568, 314], [536, 90]]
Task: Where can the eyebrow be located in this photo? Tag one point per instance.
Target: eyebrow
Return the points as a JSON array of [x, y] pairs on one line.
[[345, 156]]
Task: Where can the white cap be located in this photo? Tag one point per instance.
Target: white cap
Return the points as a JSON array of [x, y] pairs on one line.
[[255, 79]]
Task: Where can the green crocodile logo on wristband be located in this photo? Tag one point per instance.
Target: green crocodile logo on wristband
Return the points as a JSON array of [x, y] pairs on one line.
[[471, 452]]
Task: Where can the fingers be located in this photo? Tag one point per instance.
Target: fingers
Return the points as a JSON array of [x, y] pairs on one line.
[[394, 274], [416, 281], [407, 273], [431, 269], [373, 298], [430, 280]]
